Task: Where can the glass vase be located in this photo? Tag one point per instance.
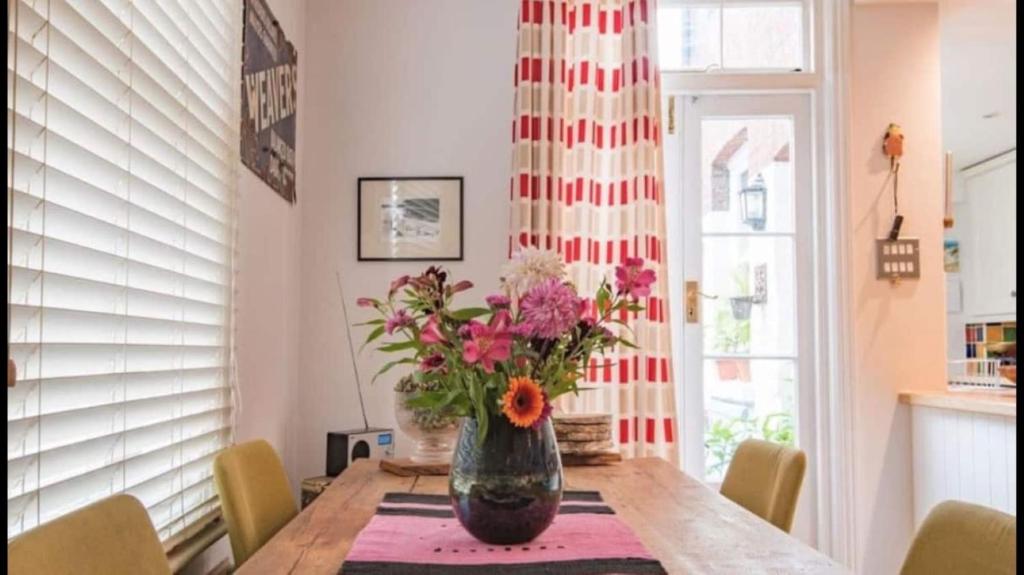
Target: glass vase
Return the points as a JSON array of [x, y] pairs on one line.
[[506, 490], [433, 435]]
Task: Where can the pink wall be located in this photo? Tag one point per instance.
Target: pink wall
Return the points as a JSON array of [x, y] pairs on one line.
[[394, 88], [898, 332]]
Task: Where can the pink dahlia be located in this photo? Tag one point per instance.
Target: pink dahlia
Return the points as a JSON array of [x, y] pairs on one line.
[[400, 320], [550, 309], [488, 344], [631, 278]]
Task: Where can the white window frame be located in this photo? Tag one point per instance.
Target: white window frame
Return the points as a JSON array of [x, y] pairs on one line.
[[828, 24]]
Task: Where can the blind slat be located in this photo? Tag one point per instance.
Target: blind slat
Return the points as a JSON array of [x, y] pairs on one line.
[[122, 150]]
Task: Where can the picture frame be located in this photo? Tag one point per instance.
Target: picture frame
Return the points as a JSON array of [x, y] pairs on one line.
[[409, 218]]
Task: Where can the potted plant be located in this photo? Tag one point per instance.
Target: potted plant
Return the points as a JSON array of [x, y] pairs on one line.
[[433, 431], [498, 368], [732, 336]]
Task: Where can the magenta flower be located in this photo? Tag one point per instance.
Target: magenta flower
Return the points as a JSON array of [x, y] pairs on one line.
[[431, 333], [466, 330], [498, 301], [366, 302], [488, 343], [631, 278], [400, 320], [550, 309], [432, 362]]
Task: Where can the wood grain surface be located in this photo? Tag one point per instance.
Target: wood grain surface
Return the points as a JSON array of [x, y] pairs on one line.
[[688, 527]]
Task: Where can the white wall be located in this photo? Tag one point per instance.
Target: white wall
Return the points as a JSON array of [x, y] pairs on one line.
[[394, 88], [898, 332]]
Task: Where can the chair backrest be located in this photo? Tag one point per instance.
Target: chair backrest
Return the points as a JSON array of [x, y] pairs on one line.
[[765, 478], [959, 538], [255, 497], [110, 537]]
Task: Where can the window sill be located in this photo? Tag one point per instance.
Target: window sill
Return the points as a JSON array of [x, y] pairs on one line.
[[193, 541]]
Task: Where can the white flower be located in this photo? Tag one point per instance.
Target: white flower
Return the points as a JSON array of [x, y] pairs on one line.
[[529, 267]]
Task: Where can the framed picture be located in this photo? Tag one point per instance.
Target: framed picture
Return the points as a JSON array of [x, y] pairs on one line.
[[409, 219]]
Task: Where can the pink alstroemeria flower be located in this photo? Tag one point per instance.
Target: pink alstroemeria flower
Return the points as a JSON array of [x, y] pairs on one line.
[[498, 301], [488, 343], [400, 320], [398, 284], [366, 302], [631, 278], [432, 362], [461, 286], [430, 332], [545, 413]]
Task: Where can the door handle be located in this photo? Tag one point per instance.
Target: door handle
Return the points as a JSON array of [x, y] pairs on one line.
[[692, 304]]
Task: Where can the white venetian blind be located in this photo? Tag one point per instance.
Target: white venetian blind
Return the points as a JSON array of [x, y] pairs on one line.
[[122, 151]]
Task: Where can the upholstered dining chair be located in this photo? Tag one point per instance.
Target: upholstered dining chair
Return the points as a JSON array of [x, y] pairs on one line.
[[959, 538], [254, 495], [110, 537], [765, 478]]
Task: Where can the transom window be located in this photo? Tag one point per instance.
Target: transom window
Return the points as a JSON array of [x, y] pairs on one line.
[[728, 35]]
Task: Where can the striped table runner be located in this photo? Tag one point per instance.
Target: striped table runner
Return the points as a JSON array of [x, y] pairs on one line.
[[413, 533]]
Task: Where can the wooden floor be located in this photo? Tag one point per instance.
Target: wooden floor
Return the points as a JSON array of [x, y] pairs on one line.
[[688, 527]]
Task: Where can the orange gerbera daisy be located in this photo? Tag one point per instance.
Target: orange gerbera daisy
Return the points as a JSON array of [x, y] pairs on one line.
[[523, 403]]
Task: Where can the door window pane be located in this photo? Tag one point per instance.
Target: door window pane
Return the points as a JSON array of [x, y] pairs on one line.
[[755, 307], [746, 398], [747, 175]]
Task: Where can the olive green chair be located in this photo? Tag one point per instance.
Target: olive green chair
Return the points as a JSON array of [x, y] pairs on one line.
[[959, 538], [110, 537], [765, 478], [255, 497]]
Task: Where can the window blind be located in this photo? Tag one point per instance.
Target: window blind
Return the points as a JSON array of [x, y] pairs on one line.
[[122, 146]]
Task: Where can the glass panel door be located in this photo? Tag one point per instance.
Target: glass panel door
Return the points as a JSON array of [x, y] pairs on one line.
[[747, 205]]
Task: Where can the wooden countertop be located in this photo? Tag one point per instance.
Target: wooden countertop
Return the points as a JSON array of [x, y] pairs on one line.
[[970, 401], [687, 526]]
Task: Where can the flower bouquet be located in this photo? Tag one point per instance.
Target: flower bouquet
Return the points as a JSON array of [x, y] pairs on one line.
[[499, 367]]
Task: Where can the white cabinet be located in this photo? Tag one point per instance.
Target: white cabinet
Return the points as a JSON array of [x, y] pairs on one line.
[[988, 238], [963, 455]]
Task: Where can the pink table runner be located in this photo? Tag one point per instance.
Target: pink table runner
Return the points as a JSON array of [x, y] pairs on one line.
[[413, 533]]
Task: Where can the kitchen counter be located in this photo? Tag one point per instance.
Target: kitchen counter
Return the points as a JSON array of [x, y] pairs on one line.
[[970, 401]]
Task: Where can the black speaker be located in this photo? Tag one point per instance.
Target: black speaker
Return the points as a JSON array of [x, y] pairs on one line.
[[344, 447]]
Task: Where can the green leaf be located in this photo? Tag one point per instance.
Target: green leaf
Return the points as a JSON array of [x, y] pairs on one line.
[[376, 333], [468, 313], [387, 367], [399, 346], [371, 322], [627, 343]]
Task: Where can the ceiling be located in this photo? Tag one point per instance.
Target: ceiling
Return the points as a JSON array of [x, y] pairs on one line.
[[979, 78]]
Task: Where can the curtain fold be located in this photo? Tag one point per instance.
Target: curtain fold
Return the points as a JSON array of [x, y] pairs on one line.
[[587, 182]]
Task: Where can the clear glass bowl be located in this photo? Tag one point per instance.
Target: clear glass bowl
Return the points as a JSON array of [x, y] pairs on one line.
[[433, 435]]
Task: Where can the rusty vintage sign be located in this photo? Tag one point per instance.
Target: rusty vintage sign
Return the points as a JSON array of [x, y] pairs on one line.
[[269, 98]]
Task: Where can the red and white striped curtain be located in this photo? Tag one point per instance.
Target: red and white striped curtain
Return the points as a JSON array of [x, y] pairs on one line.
[[587, 182]]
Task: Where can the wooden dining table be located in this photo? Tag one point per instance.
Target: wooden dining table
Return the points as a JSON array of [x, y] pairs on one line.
[[683, 523]]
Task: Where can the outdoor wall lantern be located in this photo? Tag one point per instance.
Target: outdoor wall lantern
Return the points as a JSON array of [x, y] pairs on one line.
[[753, 204]]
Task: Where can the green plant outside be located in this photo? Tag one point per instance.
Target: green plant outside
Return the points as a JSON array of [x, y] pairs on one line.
[[724, 435]]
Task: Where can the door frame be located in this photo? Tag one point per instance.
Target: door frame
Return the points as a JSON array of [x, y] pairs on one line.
[[828, 84]]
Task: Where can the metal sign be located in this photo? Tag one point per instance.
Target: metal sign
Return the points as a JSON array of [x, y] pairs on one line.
[[269, 98]]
